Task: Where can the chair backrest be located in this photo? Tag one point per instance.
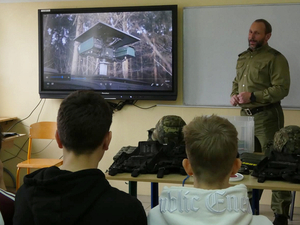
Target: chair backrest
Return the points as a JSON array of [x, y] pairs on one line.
[[41, 130]]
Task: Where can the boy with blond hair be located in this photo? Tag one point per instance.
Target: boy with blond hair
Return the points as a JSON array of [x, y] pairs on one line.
[[212, 149]]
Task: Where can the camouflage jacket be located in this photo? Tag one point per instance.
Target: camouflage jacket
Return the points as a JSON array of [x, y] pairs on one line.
[[265, 72]]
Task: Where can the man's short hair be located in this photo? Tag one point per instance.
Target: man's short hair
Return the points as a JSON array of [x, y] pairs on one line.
[[83, 120], [211, 147], [267, 25]]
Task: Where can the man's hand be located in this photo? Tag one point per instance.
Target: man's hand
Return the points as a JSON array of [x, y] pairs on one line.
[[244, 97], [234, 100]]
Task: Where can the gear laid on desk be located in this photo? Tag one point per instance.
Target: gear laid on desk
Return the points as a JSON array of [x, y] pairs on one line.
[[244, 170], [162, 154], [283, 162], [251, 159]]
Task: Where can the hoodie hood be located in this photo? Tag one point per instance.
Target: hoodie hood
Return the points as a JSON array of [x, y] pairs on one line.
[[184, 205], [58, 195]]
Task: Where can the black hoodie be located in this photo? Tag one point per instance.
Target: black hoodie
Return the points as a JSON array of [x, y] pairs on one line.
[[54, 196]]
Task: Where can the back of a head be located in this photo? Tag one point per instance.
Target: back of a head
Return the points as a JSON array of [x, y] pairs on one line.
[[211, 146], [83, 120]]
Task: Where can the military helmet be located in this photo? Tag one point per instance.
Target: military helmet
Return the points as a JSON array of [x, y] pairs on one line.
[[168, 129], [287, 140]]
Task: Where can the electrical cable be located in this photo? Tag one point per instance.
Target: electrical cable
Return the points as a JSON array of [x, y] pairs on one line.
[[16, 156], [185, 180], [150, 107], [21, 148], [118, 106], [33, 153], [37, 120], [11, 175], [26, 117]]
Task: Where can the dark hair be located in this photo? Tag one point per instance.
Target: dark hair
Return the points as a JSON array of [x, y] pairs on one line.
[[83, 120], [267, 25]]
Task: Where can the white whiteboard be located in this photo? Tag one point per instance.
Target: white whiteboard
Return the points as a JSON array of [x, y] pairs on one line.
[[214, 36]]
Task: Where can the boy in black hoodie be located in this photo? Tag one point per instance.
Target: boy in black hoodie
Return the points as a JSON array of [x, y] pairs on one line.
[[78, 193]]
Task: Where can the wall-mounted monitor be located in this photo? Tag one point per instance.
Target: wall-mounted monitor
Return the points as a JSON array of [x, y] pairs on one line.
[[125, 53]]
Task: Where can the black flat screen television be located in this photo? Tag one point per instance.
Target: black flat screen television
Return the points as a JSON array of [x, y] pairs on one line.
[[125, 53]]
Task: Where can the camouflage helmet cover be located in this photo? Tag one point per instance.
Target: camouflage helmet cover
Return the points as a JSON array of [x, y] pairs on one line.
[[287, 139], [169, 128]]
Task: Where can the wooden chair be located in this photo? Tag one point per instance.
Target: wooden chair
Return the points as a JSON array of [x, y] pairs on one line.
[[40, 130]]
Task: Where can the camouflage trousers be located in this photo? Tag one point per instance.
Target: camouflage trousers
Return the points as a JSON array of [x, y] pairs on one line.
[[266, 124]]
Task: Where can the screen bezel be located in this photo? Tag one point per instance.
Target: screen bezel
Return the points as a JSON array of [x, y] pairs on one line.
[[114, 95]]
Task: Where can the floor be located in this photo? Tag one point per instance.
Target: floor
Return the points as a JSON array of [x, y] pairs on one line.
[[264, 210]]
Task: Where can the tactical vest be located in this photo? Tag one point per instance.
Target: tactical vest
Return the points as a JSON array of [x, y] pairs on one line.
[[150, 157], [283, 163]]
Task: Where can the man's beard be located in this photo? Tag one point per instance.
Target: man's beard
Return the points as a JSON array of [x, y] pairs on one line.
[[258, 44]]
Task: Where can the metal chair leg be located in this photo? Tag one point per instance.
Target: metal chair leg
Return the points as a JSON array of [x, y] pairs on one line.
[[292, 205], [18, 179]]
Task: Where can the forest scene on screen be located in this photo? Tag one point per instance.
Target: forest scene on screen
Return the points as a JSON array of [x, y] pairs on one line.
[[108, 50]]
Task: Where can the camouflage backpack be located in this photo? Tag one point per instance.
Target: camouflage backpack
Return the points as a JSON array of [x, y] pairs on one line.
[[283, 162]]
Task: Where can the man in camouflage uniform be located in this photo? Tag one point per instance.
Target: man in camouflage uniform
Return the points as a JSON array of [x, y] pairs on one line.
[[261, 82]]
